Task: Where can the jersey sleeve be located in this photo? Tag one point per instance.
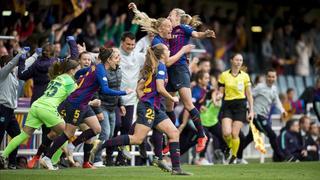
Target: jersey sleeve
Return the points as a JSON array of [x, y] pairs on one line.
[[221, 80], [162, 72], [247, 82], [155, 41], [195, 94], [81, 72], [187, 29], [103, 83]]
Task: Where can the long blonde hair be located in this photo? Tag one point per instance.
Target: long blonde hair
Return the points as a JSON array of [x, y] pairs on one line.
[[147, 24], [193, 21], [151, 63]]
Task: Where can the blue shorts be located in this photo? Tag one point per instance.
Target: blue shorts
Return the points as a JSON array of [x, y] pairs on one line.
[[149, 116], [74, 115], [178, 77]]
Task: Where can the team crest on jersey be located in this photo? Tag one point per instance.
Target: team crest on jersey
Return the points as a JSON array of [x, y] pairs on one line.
[[161, 73], [105, 78]]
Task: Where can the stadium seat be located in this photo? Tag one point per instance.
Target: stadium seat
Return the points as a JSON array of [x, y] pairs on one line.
[[299, 85], [282, 84], [253, 77], [309, 81]]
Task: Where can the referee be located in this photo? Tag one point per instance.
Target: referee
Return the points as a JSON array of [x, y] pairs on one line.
[[234, 86]]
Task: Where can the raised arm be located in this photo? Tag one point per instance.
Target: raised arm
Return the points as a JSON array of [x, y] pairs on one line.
[[33, 58], [5, 70], [207, 34], [103, 82], [73, 47]]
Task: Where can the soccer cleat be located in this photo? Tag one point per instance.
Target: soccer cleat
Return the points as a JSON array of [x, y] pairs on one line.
[[87, 165], [3, 163], [109, 161], [233, 160], [201, 144], [125, 152], [143, 151], [47, 163], [161, 164], [33, 162], [180, 172], [166, 150], [227, 153], [12, 166]]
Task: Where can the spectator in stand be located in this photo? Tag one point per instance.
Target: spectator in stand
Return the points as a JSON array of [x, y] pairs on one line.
[[290, 144], [304, 52], [266, 51], [291, 106], [312, 142], [90, 37], [3, 51], [312, 95], [304, 124]]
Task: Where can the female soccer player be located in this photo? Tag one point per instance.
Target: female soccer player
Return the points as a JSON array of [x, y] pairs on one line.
[[44, 110], [149, 112], [162, 29], [76, 105], [235, 85], [178, 72]]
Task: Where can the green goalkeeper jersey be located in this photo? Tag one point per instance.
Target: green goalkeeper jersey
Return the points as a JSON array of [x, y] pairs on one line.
[[57, 91]]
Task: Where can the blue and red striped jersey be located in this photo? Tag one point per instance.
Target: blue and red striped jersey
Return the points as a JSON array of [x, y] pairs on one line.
[[181, 36], [92, 79], [151, 94]]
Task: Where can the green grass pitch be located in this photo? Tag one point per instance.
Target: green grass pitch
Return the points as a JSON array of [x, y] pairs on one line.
[[291, 171]]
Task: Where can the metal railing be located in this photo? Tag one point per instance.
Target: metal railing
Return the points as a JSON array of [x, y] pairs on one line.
[[249, 152]]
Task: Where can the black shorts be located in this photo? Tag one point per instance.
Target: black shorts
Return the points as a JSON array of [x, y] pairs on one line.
[[179, 77], [149, 116], [235, 110], [74, 115]]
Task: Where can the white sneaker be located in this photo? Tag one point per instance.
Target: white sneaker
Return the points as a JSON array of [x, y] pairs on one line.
[[242, 161], [98, 164], [47, 163], [203, 162]]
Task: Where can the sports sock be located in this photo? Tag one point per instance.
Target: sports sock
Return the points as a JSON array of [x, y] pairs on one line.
[[14, 143]]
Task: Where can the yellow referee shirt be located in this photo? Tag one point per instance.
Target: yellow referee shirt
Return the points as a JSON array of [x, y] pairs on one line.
[[234, 86]]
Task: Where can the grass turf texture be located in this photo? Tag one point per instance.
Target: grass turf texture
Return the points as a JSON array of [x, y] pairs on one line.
[[303, 170]]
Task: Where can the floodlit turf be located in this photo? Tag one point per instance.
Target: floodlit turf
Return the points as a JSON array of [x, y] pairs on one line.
[[290, 171]]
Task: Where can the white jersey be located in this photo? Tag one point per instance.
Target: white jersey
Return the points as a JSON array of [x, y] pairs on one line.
[[130, 65]]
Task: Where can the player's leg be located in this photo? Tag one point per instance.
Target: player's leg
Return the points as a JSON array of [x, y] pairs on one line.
[[172, 132], [236, 127], [186, 98]]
